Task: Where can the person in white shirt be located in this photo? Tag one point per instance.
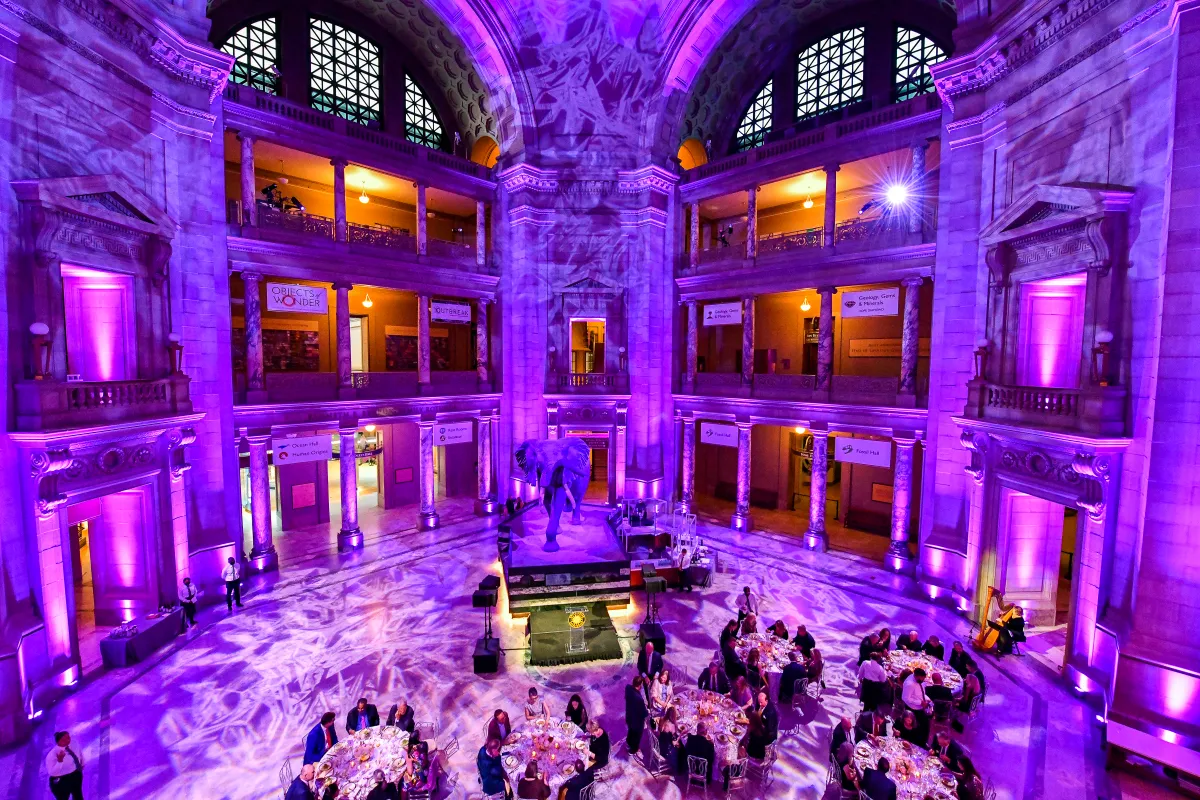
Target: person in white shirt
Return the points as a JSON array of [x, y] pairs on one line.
[[536, 707], [913, 693], [188, 595], [872, 670], [232, 575], [747, 604], [65, 768]]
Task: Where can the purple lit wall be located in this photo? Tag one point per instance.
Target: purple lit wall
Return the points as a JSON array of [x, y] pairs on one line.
[[122, 554], [1051, 332], [1032, 531], [101, 332]]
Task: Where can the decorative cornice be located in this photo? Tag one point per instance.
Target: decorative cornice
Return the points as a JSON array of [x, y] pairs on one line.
[[525, 176], [649, 177]]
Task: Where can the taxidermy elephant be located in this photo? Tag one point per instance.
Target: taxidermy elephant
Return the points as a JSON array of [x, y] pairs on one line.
[[561, 468]]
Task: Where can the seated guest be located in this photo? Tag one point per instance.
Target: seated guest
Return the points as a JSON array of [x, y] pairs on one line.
[[909, 730], [970, 691], [958, 658], [299, 789], [875, 783], [320, 738], [804, 640], [750, 624], [778, 630], [912, 692], [948, 751], [699, 746], [668, 740], [491, 770], [729, 633], [535, 706], [764, 726], [662, 692], [933, 648], [533, 786], [885, 641], [583, 778], [793, 672], [754, 671], [973, 669], [382, 790], [1012, 633], [363, 715], [843, 732], [970, 784], [599, 746], [500, 727], [816, 666], [418, 775], [713, 679], [938, 692], [848, 775], [742, 694], [401, 716], [734, 666], [870, 723], [649, 663], [576, 712], [869, 644], [910, 641]]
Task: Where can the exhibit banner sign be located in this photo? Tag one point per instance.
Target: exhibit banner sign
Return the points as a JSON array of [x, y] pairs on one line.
[[723, 314], [871, 303], [443, 311], [871, 452], [884, 348], [453, 433], [297, 299], [298, 449], [724, 435]]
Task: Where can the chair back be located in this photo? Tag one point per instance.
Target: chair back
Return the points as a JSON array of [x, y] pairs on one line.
[[285, 775], [427, 729], [451, 747], [942, 709], [698, 767], [737, 769], [799, 689], [586, 792]]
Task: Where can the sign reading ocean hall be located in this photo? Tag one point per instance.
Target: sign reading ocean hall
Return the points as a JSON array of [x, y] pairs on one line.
[[299, 449], [871, 303], [870, 452], [297, 298], [723, 314], [724, 435], [452, 433]]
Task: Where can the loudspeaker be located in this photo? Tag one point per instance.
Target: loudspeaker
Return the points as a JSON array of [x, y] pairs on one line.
[[484, 598], [654, 634], [490, 582], [656, 585], [487, 656]]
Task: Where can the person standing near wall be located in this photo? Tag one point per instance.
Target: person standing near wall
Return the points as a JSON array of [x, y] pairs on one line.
[[188, 595], [232, 575], [65, 768]]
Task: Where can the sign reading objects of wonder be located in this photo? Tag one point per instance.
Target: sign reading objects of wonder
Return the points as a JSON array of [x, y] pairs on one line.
[[724, 435], [296, 298]]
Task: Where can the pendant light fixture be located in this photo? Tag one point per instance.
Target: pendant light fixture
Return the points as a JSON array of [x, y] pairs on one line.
[[808, 202], [804, 304], [367, 301], [362, 198]]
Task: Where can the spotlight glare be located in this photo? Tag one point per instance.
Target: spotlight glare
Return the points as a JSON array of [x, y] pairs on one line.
[[896, 194]]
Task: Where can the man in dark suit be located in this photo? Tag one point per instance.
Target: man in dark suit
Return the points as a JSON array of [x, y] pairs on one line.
[[759, 741], [363, 715], [937, 691], [934, 648], [843, 732], [947, 750], [804, 640], [299, 790], [699, 745], [382, 790], [793, 672], [401, 716], [870, 723], [867, 646], [958, 659], [583, 777], [876, 784], [734, 666], [320, 739], [635, 714], [714, 679], [649, 663]]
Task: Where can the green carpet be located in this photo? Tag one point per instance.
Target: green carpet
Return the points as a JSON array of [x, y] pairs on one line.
[[551, 636]]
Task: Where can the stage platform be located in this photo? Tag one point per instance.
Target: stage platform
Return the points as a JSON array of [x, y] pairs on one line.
[[572, 634]]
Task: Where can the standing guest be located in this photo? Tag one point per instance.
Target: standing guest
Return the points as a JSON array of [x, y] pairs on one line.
[[300, 786], [635, 713], [649, 663], [491, 770], [382, 790], [683, 564], [599, 746], [885, 641], [363, 715], [747, 603], [912, 692], [754, 670], [729, 632], [750, 624], [868, 645], [958, 658], [500, 727], [65, 768], [909, 730], [533, 786], [874, 687], [320, 738], [232, 575], [699, 746], [668, 740], [576, 712], [662, 692], [535, 706], [933, 648], [401, 716], [875, 783], [713, 679], [741, 694], [870, 723], [764, 726], [779, 630], [816, 666], [843, 732], [804, 640], [583, 778], [188, 595], [948, 751], [793, 672]]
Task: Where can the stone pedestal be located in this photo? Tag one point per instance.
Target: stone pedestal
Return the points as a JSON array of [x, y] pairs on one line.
[[262, 552], [741, 520], [816, 538], [428, 519], [349, 537]]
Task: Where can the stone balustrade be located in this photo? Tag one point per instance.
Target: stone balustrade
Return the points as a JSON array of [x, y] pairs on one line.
[[52, 404], [319, 387], [844, 389], [590, 382], [1098, 410]]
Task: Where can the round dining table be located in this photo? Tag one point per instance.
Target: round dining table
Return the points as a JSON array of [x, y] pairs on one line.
[[898, 661], [916, 772], [351, 763], [555, 743], [773, 652], [722, 718]]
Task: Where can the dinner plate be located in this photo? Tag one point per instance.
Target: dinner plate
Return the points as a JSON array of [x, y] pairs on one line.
[[511, 762], [569, 769]]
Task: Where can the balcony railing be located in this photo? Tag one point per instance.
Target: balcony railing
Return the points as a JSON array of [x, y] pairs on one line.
[[795, 240], [319, 387], [50, 404], [1096, 410], [594, 382], [294, 221], [382, 236], [444, 249], [845, 389]]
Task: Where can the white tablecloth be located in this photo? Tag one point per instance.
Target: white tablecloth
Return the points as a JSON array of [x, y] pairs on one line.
[[555, 743], [916, 771], [899, 660], [352, 762]]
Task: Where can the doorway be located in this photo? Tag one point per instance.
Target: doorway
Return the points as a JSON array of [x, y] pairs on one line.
[[587, 345], [600, 488], [358, 345]]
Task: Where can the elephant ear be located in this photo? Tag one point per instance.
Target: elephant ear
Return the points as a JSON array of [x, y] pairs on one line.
[[576, 459]]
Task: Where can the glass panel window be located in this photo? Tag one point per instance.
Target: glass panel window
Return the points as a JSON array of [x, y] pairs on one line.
[[420, 120], [829, 74], [345, 72], [915, 52], [255, 50], [752, 130]]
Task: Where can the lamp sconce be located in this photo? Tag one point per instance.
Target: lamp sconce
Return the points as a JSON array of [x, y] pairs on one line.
[[175, 348], [622, 358], [40, 332], [982, 346], [553, 358], [1100, 357]]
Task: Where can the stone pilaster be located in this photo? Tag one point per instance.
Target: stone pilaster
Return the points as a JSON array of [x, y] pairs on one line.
[[830, 230], [687, 484], [817, 538], [423, 342], [350, 536], [621, 457], [916, 187], [252, 309], [422, 222], [342, 323], [747, 342], [262, 550], [898, 556], [249, 193], [910, 339], [339, 198], [482, 354], [485, 502], [741, 516], [693, 335], [825, 339], [428, 519]]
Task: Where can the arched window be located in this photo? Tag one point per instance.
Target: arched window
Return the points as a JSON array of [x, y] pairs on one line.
[[345, 72], [752, 130], [829, 74], [421, 123], [914, 53], [255, 52]]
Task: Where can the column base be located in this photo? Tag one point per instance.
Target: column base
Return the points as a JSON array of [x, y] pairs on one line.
[[906, 400], [428, 521], [424, 389], [262, 561], [347, 393], [349, 540], [740, 521], [816, 540], [898, 559], [684, 507], [488, 507], [255, 397], [485, 385]]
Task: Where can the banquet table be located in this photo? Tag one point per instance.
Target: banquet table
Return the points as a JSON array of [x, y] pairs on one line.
[[915, 770], [724, 720], [557, 743], [772, 651], [351, 763], [899, 660]]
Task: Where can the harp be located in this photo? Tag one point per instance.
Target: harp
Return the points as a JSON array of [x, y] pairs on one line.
[[989, 631]]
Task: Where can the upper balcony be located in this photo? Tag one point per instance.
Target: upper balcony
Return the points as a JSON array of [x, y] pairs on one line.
[[49, 404]]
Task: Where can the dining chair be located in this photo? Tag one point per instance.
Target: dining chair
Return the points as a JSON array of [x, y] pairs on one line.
[[285, 775], [736, 774], [799, 691], [656, 765], [427, 729], [697, 774], [587, 792]]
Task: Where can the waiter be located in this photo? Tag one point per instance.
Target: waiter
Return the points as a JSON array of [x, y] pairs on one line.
[[65, 768]]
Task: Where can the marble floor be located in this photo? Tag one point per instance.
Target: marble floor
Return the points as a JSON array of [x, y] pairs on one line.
[[217, 713]]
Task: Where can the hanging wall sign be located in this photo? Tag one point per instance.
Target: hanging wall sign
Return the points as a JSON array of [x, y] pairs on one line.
[[442, 311], [453, 433], [871, 303], [724, 435], [884, 348], [298, 449], [723, 314], [297, 299], [870, 452]]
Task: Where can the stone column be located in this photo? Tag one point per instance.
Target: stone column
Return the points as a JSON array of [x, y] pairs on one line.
[[910, 340], [740, 521], [262, 551], [830, 232], [428, 519], [816, 538], [252, 309], [620, 457], [422, 234], [898, 556], [339, 198], [687, 482], [747, 342], [916, 182], [693, 334], [249, 193], [694, 239], [350, 536], [423, 342], [825, 339], [480, 233], [342, 323], [752, 222], [485, 503], [481, 342]]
